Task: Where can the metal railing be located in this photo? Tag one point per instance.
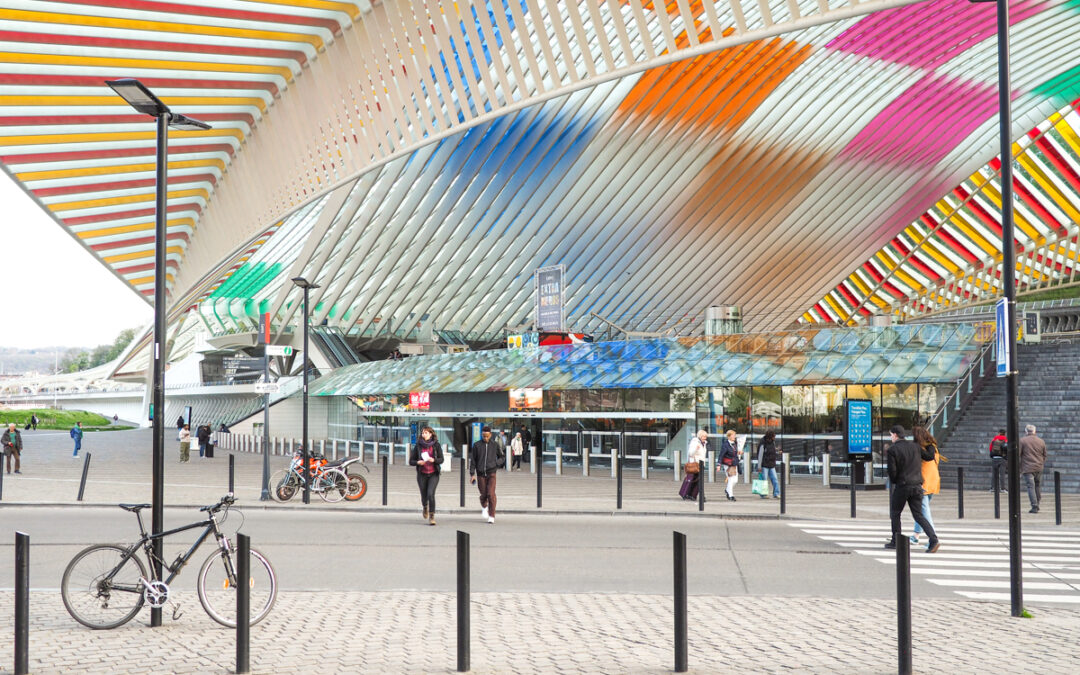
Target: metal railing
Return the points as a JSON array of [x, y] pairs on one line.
[[965, 390]]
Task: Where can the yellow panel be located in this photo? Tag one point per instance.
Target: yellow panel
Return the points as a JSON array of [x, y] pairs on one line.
[[28, 176], [1040, 177], [135, 255], [128, 199], [178, 101], [57, 139], [138, 227]]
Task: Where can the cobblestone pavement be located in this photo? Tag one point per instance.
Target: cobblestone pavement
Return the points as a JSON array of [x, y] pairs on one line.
[[120, 471], [413, 632]]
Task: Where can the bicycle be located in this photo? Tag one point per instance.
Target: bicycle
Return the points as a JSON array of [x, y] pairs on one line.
[[328, 479], [105, 585]]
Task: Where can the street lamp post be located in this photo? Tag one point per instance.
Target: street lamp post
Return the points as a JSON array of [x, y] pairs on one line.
[[143, 100], [307, 286]]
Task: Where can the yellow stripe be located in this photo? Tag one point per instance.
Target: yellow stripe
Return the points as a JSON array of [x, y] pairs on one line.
[[994, 195], [127, 199], [878, 301], [863, 288], [148, 280], [1067, 132], [1055, 194], [937, 255], [138, 227], [836, 307], [156, 64], [178, 101], [352, 10], [908, 280], [135, 255], [27, 176], [56, 139], [961, 224], [159, 26]]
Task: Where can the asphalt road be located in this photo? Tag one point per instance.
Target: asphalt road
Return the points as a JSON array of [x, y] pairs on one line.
[[543, 553]]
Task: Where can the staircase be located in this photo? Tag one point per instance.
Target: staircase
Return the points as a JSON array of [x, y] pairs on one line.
[[1049, 398]]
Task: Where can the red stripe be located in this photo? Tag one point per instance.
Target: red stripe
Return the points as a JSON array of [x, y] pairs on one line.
[[872, 272], [152, 45], [136, 213], [1051, 153], [169, 236], [154, 83], [174, 8], [148, 267], [55, 120], [847, 295], [122, 185], [1035, 205], [982, 214], [913, 260], [175, 152], [957, 246]]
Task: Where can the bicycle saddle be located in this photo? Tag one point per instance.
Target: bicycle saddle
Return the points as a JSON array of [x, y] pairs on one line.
[[134, 508], [336, 462]]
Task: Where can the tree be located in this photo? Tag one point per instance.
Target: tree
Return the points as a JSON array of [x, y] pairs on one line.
[[75, 359]]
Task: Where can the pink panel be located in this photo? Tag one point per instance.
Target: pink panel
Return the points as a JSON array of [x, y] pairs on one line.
[[924, 123], [927, 34]]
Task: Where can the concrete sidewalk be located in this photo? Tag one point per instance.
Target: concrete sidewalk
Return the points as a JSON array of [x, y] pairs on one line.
[[120, 471]]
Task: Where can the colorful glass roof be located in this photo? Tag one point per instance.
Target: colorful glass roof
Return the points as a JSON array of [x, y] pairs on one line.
[[868, 355]]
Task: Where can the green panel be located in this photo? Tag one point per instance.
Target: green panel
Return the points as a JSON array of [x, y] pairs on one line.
[[1065, 88]]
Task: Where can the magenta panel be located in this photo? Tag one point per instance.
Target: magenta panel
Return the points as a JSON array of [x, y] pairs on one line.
[[924, 123], [927, 34]]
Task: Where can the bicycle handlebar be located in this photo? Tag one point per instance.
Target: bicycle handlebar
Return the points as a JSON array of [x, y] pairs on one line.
[[228, 500]]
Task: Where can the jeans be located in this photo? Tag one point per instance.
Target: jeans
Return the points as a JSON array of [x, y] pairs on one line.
[[912, 496], [771, 475], [427, 482], [1033, 481], [1003, 473], [202, 449], [926, 513], [486, 485], [78, 446]]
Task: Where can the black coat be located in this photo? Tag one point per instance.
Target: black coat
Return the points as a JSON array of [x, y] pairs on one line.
[[437, 453], [766, 455], [905, 460], [486, 457]]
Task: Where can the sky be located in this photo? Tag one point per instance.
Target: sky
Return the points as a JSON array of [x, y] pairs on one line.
[[55, 293]]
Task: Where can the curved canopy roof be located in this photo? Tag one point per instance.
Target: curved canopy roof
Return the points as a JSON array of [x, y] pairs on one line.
[[419, 159]]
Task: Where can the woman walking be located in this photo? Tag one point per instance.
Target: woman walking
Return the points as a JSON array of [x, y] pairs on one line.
[[931, 477], [729, 460], [766, 459], [696, 455], [185, 442], [427, 456], [517, 446]]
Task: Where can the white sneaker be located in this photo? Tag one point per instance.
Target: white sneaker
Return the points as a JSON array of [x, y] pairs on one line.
[[484, 513], [491, 521]]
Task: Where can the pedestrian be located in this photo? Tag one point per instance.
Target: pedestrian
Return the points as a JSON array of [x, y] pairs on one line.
[[904, 459], [729, 462], [1032, 459], [33, 421], [999, 450], [223, 429], [931, 476], [766, 458], [179, 426], [76, 435], [484, 462], [115, 419], [696, 456], [427, 456], [185, 442], [203, 436], [517, 447], [12, 442]]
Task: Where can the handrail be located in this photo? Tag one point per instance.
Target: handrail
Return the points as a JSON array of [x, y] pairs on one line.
[[956, 396]]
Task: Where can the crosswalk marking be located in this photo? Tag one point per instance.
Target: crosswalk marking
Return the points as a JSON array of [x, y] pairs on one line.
[[973, 562]]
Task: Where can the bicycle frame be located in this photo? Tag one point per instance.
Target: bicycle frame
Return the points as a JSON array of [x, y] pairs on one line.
[[146, 540]]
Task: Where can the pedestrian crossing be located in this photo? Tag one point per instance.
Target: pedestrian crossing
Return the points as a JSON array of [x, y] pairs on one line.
[[974, 562]]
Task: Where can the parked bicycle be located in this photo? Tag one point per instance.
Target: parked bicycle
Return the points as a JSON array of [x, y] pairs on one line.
[[105, 585], [329, 480]]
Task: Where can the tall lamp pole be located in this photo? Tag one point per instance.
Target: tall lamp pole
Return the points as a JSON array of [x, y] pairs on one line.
[[307, 286], [1008, 275], [143, 100]]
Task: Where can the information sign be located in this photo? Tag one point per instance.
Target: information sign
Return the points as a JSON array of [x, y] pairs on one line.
[[267, 387], [859, 427], [549, 298], [279, 350]]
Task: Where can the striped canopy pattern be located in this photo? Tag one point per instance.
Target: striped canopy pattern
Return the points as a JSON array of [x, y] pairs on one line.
[[807, 160]]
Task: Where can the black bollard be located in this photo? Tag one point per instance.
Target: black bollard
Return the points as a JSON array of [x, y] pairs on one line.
[[384, 474], [243, 603], [232, 472], [464, 470], [997, 495], [851, 472], [618, 476], [960, 493], [539, 476], [1057, 496], [85, 470], [1, 477], [783, 488], [703, 467], [462, 602], [680, 602], [903, 604], [22, 603]]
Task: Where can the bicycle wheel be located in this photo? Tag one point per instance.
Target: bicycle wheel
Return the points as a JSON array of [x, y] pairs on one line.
[[334, 484], [217, 587], [101, 589], [283, 485], [357, 488]]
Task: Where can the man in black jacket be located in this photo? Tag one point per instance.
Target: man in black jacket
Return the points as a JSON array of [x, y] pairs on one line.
[[905, 472], [484, 461]]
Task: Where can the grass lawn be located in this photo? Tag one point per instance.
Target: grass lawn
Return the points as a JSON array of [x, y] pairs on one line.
[[59, 419]]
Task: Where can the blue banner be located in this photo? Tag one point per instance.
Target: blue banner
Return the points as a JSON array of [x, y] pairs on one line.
[[860, 427], [1001, 320]]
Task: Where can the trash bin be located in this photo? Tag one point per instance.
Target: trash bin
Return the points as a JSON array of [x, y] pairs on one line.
[[210, 450]]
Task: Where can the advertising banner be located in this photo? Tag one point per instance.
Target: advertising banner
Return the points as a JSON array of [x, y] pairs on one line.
[[859, 427], [1002, 327], [549, 298]]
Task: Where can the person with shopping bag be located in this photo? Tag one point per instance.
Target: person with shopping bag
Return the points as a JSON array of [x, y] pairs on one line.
[[766, 460], [695, 462]]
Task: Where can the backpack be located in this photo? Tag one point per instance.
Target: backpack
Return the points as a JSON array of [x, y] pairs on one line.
[[998, 448]]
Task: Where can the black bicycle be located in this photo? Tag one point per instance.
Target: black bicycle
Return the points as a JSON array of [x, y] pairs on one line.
[[106, 585]]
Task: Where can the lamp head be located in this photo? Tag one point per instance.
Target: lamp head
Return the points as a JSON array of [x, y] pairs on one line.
[[185, 123], [301, 282], [138, 96]]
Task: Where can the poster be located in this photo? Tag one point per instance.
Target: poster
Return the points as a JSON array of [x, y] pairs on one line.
[[549, 298]]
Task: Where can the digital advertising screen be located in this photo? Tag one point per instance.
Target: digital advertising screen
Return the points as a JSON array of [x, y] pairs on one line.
[[526, 399], [859, 427]]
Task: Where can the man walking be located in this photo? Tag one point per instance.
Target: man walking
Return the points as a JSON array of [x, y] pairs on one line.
[[1032, 459], [33, 421], [484, 461], [905, 472], [76, 434], [998, 452], [12, 442]]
